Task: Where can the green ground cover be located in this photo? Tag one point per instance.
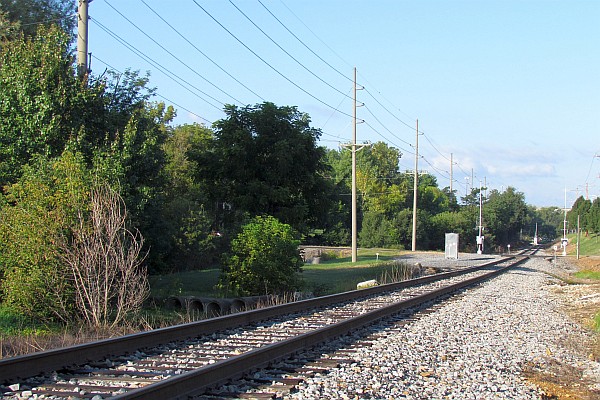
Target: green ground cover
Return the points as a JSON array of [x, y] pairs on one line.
[[330, 276], [12, 323], [585, 274], [589, 245]]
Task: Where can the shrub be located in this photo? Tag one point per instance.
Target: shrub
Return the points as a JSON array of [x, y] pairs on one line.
[[264, 259]]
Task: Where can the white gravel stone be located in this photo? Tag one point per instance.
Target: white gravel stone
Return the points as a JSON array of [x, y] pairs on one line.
[[473, 347]]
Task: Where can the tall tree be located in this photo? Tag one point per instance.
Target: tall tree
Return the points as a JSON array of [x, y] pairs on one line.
[[505, 214], [44, 106], [265, 160], [187, 212], [29, 15]]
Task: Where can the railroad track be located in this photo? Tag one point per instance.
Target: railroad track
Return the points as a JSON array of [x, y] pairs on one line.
[[188, 359]]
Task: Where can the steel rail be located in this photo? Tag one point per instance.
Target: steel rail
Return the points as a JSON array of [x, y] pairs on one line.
[[33, 364], [196, 382]]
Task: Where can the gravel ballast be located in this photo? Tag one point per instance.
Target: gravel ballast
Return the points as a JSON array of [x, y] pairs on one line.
[[476, 346]]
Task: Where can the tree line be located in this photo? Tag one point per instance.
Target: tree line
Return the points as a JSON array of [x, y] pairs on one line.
[[98, 164]]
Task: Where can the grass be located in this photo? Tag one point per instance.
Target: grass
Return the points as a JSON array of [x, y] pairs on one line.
[[19, 335], [341, 274], [585, 274], [199, 283], [333, 275], [588, 245], [12, 323]]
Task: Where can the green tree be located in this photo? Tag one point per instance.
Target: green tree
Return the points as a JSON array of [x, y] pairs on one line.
[[594, 216], [580, 208], [186, 210], [41, 208], [43, 106], [264, 259], [377, 231], [549, 220], [505, 214], [28, 15], [265, 160]]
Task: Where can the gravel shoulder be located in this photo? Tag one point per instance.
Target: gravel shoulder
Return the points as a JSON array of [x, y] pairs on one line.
[[514, 337]]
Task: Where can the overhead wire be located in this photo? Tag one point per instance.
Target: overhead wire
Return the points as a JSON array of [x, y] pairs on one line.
[[304, 44], [285, 51], [172, 55], [266, 62], [314, 34], [177, 79], [157, 94], [201, 52]]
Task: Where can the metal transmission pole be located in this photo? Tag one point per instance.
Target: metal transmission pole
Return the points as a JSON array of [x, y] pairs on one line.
[[414, 225], [82, 38]]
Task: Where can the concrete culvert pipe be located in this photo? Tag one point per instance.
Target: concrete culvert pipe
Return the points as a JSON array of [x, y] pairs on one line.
[[237, 305], [216, 307], [195, 305], [175, 303]]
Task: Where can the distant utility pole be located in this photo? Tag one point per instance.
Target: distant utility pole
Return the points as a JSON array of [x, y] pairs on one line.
[[82, 38], [451, 176], [414, 225], [472, 179], [564, 239]]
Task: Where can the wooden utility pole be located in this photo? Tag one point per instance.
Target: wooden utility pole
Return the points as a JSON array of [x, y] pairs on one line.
[[451, 175], [354, 218], [414, 226], [354, 148], [82, 38]]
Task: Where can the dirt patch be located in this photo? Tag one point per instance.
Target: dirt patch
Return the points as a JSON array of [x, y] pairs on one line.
[[591, 263], [559, 381], [580, 301]]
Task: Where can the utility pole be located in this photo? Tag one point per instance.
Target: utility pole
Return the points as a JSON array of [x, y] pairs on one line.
[[480, 236], [354, 223], [578, 236], [414, 224], [587, 191], [472, 179], [82, 38], [451, 176], [564, 239], [354, 148]]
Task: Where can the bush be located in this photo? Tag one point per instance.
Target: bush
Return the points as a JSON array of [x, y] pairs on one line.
[[264, 259]]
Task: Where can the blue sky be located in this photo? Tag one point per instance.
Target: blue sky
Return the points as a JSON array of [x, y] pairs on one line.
[[510, 88]]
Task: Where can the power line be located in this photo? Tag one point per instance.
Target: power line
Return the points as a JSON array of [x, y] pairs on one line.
[[172, 55], [286, 52], [385, 127], [315, 35], [436, 149], [201, 52], [385, 108], [304, 44], [267, 63], [156, 94], [157, 65]]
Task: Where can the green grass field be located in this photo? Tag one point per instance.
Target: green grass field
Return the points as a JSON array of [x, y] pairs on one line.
[[330, 276]]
